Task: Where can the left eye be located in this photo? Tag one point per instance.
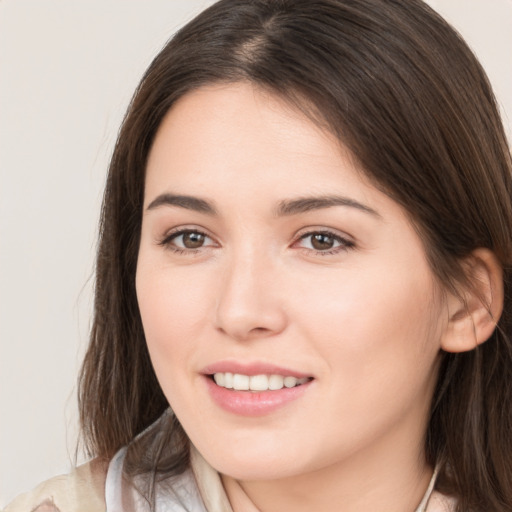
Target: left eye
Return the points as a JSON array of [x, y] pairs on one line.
[[320, 241], [189, 240]]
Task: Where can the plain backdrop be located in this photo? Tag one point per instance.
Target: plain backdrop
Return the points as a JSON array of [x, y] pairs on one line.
[[67, 71]]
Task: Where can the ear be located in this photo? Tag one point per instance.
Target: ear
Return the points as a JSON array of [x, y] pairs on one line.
[[473, 314]]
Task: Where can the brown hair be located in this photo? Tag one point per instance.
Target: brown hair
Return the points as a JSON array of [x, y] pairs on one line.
[[401, 89]]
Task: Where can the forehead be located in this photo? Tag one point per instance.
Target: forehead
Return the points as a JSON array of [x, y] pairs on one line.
[[240, 132], [230, 115]]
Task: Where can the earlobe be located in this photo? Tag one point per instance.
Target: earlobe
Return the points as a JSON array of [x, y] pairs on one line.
[[474, 314]]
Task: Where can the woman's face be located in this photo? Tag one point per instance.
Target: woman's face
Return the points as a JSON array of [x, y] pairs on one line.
[[266, 261]]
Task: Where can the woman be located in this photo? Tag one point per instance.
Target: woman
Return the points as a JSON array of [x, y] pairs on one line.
[[304, 251]]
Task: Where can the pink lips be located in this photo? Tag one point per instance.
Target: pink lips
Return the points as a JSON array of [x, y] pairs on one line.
[[249, 403]]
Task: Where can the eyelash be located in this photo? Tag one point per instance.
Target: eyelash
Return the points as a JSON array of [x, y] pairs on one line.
[[166, 242], [344, 244]]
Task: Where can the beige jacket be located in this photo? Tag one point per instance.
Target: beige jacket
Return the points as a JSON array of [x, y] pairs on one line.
[[83, 490]]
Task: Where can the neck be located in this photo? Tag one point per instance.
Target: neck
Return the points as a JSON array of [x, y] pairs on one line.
[[388, 482]]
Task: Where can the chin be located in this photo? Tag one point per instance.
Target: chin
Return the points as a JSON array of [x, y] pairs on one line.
[[260, 462], [254, 470]]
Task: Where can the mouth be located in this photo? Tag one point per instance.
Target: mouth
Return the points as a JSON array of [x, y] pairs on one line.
[[255, 388], [257, 383], [255, 393]]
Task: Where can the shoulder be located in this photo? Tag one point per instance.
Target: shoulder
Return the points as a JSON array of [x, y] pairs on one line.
[[82, 490]]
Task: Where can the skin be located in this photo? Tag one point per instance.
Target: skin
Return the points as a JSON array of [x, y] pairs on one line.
[[364, 319]]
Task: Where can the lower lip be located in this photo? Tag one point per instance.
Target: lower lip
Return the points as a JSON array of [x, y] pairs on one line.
[[253, 403]]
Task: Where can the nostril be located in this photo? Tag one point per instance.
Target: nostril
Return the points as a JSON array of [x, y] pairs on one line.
[[259, 329]]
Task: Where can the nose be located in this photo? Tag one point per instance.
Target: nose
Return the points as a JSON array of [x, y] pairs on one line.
[[250, 302]]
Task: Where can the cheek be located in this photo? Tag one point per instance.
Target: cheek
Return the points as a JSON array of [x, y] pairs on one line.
[[379, 342], [173, 306], [378, 329]]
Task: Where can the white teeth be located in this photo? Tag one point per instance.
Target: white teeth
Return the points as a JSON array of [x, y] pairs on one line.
[[290, 382], [275, 382], [228, 380], [242, 382], [258, 383]]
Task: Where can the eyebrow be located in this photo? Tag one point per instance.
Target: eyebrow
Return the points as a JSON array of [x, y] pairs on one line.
[[284, 208], [188, 202], [306, 204]]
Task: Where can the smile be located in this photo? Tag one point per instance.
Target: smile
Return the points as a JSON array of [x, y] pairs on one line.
[[241, 382]]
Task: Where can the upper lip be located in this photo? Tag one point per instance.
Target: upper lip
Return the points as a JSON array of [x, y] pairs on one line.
[[251, 368]]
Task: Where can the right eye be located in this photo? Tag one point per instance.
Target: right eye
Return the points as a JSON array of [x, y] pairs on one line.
[[187, 240]]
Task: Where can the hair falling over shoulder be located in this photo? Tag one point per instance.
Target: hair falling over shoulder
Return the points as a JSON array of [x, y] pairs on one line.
[[415, 108]]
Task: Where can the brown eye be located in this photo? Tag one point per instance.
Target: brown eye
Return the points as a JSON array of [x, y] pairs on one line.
[[325, 242], [187, 240], [322, 242], [193, 240]]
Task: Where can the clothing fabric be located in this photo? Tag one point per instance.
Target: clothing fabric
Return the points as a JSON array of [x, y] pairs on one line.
[[82, 490], [175, 494], [98, 487]]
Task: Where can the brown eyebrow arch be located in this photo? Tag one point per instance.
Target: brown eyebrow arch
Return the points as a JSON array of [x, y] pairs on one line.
[[284, 208], [188, 202], [306, 204]]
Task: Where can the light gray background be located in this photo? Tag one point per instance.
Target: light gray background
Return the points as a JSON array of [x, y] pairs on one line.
[[67, 71]]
